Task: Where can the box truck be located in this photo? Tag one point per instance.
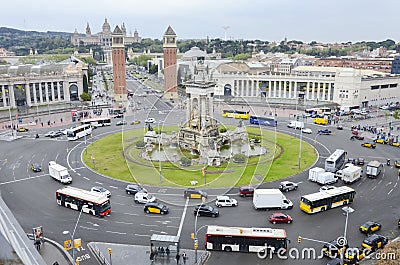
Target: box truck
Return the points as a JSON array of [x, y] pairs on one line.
[[270, 199], [296, 124], [59, 172], [374, 168], [351, 174]]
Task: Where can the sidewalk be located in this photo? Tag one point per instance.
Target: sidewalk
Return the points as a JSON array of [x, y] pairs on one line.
[[51, 252], [140, 255]]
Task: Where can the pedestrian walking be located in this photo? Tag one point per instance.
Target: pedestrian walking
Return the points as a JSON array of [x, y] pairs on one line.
[[177, 257], [167, 252], [37, 244], [184, 257]]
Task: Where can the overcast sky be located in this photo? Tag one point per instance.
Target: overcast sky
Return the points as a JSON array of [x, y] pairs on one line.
[[272, 20]]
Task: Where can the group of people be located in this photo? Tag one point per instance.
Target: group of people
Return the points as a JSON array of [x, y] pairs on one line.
[[160, 251]]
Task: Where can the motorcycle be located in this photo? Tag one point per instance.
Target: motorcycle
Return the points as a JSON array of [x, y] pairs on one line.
[[36, 136]]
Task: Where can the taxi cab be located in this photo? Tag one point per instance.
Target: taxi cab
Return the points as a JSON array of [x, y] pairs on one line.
[[354, 255], [380, 141], [23, 129], [333, 249], [397, 163], [374, 242], [394, 144], [370, 227], [369, 145], [155, 207], [194, 194]]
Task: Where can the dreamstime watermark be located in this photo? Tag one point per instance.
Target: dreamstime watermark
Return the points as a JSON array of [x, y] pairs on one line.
[[313, 254], [334, 249]]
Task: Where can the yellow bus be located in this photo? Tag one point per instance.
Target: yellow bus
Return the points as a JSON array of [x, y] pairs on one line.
[[328, 199], [321, 121], [237, 114]]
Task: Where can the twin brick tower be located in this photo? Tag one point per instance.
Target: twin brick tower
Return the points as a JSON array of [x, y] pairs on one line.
[[119, 69]]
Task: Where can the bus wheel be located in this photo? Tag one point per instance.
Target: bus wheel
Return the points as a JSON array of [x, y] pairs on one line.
[[345, 203], [228, 249], [322, 209]]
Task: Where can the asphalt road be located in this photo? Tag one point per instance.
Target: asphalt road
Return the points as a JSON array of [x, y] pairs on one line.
[[31, 196]]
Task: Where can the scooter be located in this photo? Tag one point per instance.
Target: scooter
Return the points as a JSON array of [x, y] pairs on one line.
[[37, 136], [388, 162]]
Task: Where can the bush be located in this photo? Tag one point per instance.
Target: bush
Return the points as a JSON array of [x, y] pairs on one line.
[[86, 97], [140, 144], [186, 161], [239, 158], [222, 130]]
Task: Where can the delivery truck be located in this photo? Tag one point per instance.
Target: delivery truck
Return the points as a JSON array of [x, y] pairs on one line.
[[351, 174], [322, 177], [296, 124], [59, 172], [374, 168], [270, 199]]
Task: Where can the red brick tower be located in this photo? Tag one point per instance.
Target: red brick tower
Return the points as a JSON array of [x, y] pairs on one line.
[[118, 59], [170, 79]]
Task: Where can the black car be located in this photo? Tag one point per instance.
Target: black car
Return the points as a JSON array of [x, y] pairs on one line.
[[36, 167], [339, 127], [155, 207], [205, 210], [194, 194], [324, 131], [134, 188]]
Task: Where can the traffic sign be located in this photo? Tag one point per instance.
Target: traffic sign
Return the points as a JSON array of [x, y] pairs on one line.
[[68, 244], [109, 251], [77, 243]]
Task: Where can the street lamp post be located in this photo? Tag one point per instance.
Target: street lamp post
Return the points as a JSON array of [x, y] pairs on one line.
[[159, 151], [196, 244], [66, 232]]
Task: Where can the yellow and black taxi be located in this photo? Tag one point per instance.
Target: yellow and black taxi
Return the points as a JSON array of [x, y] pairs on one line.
[[380, 141], [397, 163], [22, 129], [36, 167], [374, 242], [194, 194], [354, 255], [155, 207], [333, 249], [370, 227], [369, 145], [395, 144], [398, 223]]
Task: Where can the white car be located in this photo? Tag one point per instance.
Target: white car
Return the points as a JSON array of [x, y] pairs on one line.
[[101, 190], [150, 120], [223, 201], [325, 188], [307, 130], [144, 197], [384, 107]]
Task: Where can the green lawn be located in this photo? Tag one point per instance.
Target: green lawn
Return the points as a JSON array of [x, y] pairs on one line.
[[117, 156]]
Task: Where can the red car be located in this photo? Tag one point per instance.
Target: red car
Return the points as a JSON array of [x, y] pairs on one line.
[[280, 218], [357, 136], [355, 132]]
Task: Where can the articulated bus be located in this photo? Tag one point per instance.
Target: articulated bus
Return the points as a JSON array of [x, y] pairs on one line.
[[97, 122], [335, 161], [79, 132], [261, 120], [84, 200], [244, 239], [237, 114], [325, 200]]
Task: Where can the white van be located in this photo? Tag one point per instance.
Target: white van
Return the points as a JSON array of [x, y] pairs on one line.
[[144, 197]]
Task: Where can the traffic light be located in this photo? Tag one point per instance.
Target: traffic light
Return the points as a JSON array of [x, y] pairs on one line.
[[299, 239]]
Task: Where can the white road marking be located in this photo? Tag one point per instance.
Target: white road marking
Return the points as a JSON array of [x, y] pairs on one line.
[[142, 235], [78, 173], [395, 185], [113, 232], [18, 180], [89, 228], [125, 223], [113, 187], [390, 191], [183, 217], [118, 203], [387, 184], [374, 187], [149, 225], [99, 183], [94, 224], [133, 214], [379, 182], [86, 178], [172, 226]]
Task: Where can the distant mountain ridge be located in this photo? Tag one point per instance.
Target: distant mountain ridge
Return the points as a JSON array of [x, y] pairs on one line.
[[5, 30]]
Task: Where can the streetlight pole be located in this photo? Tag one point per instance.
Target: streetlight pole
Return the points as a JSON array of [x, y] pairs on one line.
[[347, 210], [66, 232], [203, 199], [159, 151]]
